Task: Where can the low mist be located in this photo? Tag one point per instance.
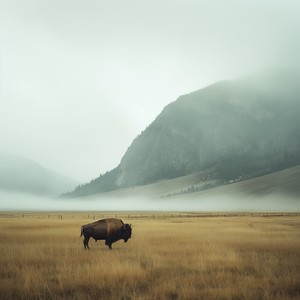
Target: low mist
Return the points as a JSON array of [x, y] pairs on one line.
[[26, 202]]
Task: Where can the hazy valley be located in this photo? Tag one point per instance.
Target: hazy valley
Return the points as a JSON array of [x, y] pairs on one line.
[[234, 145], [278, 191]]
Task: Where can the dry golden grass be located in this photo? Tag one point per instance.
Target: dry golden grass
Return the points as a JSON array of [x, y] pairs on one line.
[[243, 257]]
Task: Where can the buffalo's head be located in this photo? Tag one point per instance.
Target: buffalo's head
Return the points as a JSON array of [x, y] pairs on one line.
[[126, 232]]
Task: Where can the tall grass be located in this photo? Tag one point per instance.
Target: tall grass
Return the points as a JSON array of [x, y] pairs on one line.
[[167, 258]]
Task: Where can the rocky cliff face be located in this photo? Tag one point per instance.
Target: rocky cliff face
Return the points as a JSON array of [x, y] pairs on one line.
[[232, 129]]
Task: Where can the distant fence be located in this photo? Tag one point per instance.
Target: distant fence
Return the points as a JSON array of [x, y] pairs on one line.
[[142, 215]]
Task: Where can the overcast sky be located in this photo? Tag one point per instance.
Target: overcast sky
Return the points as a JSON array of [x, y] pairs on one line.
[[79, 80]]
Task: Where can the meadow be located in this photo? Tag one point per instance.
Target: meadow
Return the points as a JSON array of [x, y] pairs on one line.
[[170, 256]]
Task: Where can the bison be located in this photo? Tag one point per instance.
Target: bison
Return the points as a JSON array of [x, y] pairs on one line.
[[110, 230]]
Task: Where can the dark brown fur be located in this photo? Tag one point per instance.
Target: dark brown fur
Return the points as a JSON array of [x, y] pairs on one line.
[[110, 230]]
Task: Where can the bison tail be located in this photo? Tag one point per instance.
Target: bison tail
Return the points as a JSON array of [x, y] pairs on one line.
[[81, 231]]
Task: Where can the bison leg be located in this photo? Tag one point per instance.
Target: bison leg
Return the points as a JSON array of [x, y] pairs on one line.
[[86, 243], [108, 243]]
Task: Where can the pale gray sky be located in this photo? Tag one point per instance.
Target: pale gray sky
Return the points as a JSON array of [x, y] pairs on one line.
[[79, 80]]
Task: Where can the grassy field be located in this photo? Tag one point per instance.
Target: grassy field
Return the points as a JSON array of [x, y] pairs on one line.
[[170, 256]]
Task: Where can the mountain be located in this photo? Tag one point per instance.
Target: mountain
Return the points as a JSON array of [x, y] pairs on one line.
[[229, 131], [18, 174]]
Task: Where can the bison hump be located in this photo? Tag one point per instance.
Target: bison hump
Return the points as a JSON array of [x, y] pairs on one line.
[[114, 226]]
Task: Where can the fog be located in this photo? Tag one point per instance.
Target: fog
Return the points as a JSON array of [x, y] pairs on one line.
[[79, 80], [26, 202]]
